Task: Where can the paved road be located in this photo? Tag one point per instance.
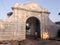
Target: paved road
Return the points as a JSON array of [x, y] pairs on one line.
[[39, 42], [31, 42]]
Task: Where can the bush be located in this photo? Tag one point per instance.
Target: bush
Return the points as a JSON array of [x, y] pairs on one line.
[[58, 33]]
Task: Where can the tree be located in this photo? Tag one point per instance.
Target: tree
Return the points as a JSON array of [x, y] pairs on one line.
[[9, 14], [57, 23], [59, 13]]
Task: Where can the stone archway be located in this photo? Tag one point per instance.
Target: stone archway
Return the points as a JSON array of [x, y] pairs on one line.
[[33, 27]]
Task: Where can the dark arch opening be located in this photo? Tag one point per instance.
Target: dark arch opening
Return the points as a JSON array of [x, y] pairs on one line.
[[33, 27]]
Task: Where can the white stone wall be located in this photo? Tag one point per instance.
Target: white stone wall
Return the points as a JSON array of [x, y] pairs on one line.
[[50, 27]]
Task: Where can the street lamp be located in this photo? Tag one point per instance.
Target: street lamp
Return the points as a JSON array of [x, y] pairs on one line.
[[27, 26]]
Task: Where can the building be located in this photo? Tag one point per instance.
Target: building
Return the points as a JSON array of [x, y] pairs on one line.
[[28, 17]]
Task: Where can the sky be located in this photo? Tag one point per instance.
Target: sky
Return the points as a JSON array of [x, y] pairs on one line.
[[53, 7]]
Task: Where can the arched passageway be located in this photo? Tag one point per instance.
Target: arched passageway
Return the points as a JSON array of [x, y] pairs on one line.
[[33, 27]]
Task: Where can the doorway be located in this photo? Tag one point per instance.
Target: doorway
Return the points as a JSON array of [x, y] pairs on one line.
[[33, 27]]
